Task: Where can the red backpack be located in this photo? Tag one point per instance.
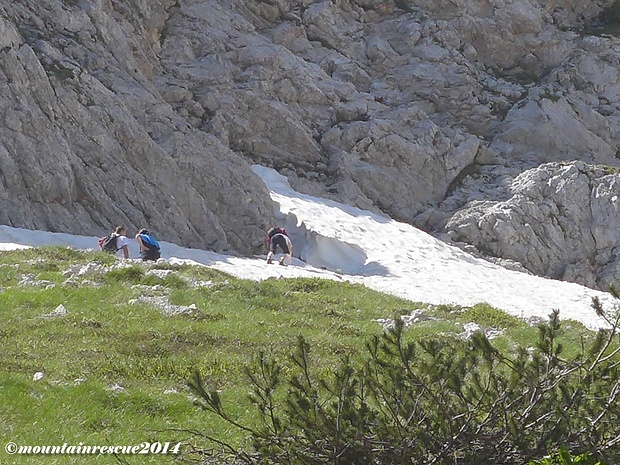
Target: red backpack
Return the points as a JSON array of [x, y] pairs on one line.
[[272, 232], [108, 243]]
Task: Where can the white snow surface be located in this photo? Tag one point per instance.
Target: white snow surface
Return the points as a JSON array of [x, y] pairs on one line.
[[340, 242]]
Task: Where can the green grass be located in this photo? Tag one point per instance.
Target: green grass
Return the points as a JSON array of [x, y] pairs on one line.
[[111, 337]]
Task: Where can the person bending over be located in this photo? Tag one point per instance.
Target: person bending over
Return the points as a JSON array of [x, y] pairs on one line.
[[278, 237], [149, 247]]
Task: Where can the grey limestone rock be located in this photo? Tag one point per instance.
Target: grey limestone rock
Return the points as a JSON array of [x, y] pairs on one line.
[[443, 113], [88, 142], [560, 220]]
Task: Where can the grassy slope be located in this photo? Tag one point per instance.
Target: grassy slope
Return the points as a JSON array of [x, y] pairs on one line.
[[109, 338]]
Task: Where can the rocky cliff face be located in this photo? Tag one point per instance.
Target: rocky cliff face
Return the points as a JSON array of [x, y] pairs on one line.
[[88, 141], [560, 219], [434, 112]]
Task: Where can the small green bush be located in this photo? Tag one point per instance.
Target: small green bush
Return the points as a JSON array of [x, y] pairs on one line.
[[132, 275], [488, 316], [615, 11], [563, 457], [173, 280]]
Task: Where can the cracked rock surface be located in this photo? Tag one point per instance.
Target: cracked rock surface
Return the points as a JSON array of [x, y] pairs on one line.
[[494, 123], [559, 220]]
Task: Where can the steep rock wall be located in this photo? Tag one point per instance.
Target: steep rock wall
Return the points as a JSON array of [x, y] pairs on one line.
[[88, 141], [149, 113]]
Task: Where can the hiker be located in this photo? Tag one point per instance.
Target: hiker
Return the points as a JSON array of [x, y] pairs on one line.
[[278, 237], [149, 247], [115, 241], [122, 243]]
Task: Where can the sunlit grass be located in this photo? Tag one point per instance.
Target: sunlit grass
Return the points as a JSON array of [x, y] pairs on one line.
[[115, 366]]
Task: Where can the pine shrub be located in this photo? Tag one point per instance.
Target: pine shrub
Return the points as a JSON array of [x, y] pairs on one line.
[[434, 401]]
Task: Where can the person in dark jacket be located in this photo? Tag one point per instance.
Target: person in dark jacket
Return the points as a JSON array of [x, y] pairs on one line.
[[278, 237], [149, 247]]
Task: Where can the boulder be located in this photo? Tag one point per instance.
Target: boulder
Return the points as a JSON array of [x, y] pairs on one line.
[[560, 220]]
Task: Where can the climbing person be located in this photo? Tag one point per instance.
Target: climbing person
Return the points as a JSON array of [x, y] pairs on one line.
[[115, 241], [149, 247], [278, 237]]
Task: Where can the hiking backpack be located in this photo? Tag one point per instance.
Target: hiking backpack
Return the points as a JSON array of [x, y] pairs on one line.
[[108, 243], [272, 232], [149, 241], [152, 245], [275, 230]]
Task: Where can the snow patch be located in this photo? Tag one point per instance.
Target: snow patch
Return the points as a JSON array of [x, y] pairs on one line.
[[367, 248]]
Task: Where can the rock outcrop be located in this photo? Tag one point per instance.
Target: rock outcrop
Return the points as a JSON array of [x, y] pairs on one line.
[[89, 142], [558, 220], [433, 112]]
